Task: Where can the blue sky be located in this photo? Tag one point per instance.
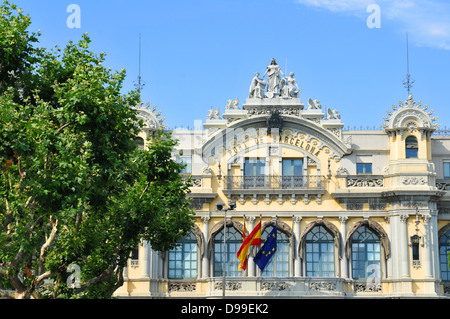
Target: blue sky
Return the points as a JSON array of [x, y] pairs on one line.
[[198, 54]]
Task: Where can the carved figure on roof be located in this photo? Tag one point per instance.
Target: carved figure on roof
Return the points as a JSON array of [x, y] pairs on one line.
[[257, 87], [233, 104], [314, 104], [274, 73], [333, 114], [213, 114], [292, 87]]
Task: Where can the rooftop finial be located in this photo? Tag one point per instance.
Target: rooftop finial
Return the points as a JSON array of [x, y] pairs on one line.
[[139, 85], [408, 83]]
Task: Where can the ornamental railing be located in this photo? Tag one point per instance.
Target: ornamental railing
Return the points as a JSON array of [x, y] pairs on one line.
[[275, 182]]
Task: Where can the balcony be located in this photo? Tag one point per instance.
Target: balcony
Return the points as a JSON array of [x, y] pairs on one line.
[[275, 182], [294, 187]]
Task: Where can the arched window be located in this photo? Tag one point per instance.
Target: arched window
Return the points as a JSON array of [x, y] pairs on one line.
[[233, 242], [319, 255], [444, 248], [183, 259], [278, 265], [366, 254], [411, 146], [139, 141]]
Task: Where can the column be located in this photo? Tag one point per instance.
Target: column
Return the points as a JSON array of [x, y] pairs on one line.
[[297, 260], [145, 259], [427, 253], [205, 260], [435, 245], [344, 261], [403, 247], [389, 259]]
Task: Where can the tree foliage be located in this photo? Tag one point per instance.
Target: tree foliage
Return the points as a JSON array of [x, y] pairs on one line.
[[74, 188]]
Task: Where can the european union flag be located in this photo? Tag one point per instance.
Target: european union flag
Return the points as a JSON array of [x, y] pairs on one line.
[[267, 250]]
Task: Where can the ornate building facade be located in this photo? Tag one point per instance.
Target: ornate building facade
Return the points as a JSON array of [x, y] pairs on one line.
[[359, 213]]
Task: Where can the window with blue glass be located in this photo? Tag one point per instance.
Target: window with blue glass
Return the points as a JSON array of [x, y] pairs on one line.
[[412, 147], [233, 243], [320, 253], [292, 166], [254, 173], [444, 249], [446, 169], [254, 167], [187, 162], [278, 266], [363, 168], [366, 254], [292, 169], [183, 259]]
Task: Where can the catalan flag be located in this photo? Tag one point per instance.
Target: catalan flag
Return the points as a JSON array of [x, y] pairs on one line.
[[254, 238], [267, 250]]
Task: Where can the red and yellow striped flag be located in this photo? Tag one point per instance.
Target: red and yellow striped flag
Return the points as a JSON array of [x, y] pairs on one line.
[[253, 239]]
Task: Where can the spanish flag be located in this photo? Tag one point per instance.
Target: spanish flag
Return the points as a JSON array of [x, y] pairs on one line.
[[254, 238]]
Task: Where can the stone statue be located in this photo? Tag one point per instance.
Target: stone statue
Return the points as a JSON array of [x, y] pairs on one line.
[[257, 87], [213, 114], [292, 87], [273, 78], [233, 104], [314, 104], [333, 114]]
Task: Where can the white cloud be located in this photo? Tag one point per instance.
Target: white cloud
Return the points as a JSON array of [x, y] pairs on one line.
[[427, 21]]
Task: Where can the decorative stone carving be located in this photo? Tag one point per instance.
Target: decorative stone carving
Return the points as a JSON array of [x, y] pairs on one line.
[[182, 287], [322, 285], [414, 180], [333, 114], [196, 182], [232, 104], [410, 116], [368, 287], [342, 171], [213, 114], [314, 104], [274, 73], [257, 87], [365, 182], [150, 118], [233, 286], [443, 186], [280, 286], [291, 89], [207, 171], [354, 205], [376, 205], [274, 121]]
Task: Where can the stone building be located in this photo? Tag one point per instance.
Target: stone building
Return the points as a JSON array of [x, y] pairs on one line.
[[360, 213]]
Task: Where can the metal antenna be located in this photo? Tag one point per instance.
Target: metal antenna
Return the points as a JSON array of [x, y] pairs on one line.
[[139, 85], [408, 83]]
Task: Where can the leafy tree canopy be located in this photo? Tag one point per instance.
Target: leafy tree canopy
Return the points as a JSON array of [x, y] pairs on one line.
[[74, 187]]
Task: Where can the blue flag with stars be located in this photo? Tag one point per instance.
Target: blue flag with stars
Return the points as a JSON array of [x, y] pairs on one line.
[[267, 250]]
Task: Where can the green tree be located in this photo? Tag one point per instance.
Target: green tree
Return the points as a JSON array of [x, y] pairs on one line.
[[74, 188]]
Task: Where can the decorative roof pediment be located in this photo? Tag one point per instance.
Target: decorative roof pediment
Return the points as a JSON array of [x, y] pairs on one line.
[[410, 116], [149, 116], [274, 103]]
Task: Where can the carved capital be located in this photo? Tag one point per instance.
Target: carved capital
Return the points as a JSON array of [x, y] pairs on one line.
[[205, 219], [343, 219], [426, 218], [297, 219], [403, 218]]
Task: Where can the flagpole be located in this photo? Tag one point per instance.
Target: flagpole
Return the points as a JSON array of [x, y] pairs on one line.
[[257, 268], [224, 250], [243, 239]]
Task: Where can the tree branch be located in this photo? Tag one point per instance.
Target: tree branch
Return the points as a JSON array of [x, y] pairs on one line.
[[48, 243]]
